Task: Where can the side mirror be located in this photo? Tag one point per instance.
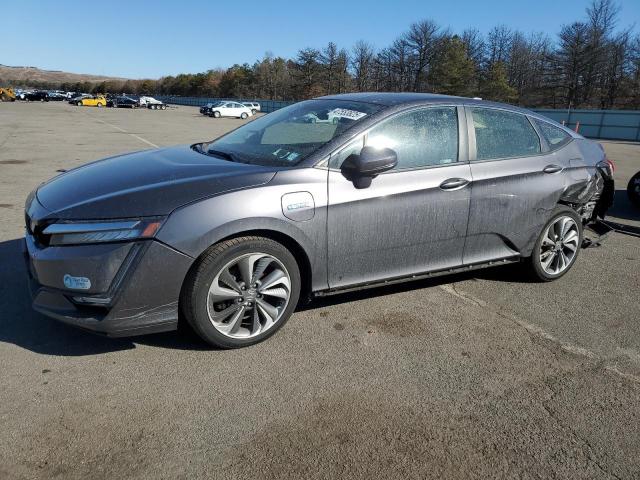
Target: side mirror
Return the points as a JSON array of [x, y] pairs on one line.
[[362, 168]]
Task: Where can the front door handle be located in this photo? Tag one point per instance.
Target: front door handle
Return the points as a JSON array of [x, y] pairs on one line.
[[453, 183], [552, 169]]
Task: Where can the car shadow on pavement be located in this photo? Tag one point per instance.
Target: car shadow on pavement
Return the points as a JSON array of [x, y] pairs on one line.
[[623, 208], [22, 326]]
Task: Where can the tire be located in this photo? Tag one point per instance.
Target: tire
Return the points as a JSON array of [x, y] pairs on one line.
[[561, 253], [163, 107], [244, 116], [633, 190], [253, 111], [79, 104], [99, 105], [216, 114], [252, 323]]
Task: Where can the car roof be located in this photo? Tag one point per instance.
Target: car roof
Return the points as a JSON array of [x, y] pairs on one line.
[[401, 98]]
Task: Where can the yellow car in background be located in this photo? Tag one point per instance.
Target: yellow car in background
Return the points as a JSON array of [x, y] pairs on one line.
[[94, 101]]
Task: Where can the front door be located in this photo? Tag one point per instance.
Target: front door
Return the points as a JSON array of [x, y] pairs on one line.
[[411, 219]]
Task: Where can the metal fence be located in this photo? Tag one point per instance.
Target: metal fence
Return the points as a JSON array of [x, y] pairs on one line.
[[266, 106], [605, 124]]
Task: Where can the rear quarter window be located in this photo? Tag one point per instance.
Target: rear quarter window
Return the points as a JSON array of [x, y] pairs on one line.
[[555, 136], [503, 134]]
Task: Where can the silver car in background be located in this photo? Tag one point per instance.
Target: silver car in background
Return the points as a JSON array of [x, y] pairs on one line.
[[230, 234]]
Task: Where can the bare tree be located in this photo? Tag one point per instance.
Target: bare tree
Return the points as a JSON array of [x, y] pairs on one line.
[[362, 63], [422, 39]]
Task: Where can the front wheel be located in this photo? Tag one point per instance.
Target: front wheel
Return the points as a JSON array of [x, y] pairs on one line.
[[557, 247], [216, 114], [79, 104], [241, 291], [633, 190], [99, 105], [244, 116]]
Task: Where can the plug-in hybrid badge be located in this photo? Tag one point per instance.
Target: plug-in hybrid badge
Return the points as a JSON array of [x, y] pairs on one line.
[[298, 206], [77, 283]]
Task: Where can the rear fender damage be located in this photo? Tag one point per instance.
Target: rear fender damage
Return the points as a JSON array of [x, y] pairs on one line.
[[591, 200]]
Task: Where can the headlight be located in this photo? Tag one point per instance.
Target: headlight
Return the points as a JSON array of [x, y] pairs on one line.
[[101, 232]]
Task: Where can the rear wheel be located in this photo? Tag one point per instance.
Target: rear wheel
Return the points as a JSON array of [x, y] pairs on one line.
[[253, 111], [241, 291], [244, 116], [79, 104], [99, 105], [163, 107], [557, 247]]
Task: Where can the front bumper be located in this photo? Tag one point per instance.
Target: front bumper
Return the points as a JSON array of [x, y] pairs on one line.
[[134, 287]]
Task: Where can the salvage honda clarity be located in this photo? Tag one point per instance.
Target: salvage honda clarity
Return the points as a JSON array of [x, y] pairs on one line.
[[326, 195]]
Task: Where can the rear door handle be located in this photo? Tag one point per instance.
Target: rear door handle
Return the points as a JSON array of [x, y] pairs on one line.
[[453, 183], [552, 169]]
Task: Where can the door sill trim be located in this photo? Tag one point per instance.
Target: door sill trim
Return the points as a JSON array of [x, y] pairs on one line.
[[417, 276]]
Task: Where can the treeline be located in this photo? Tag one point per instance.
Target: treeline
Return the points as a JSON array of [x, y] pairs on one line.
[[591, 63]]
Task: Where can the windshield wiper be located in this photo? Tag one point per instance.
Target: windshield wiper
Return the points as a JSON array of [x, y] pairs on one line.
[[221, 154]]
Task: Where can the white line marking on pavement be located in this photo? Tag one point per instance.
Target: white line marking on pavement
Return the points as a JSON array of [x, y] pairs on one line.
[[132, 134], [538, 331]]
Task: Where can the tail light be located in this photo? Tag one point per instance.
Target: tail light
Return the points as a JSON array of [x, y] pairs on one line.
[[610, 163]]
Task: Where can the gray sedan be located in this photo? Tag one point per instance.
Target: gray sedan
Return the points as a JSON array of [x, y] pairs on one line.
[[230, 235]]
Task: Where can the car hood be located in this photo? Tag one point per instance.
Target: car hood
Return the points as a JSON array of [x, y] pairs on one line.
[[147, 183]]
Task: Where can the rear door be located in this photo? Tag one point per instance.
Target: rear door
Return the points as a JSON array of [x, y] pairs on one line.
[[411, 219], [517, 181]]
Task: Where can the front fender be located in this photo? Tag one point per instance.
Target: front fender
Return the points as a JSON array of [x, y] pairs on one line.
[[194, 228]]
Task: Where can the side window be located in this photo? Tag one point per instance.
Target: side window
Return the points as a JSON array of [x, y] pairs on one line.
[[502, 134], [420, 138], [339, 157], [555, 137]]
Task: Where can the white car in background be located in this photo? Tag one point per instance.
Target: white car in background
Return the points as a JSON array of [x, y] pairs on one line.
[[254, 106], [230, 109]]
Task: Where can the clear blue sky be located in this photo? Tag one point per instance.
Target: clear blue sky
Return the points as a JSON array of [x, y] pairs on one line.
[[138, 39]]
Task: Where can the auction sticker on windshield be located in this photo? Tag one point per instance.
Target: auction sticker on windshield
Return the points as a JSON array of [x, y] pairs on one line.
[[346, 113]]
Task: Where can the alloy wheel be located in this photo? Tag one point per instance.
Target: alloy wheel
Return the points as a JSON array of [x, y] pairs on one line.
[[248, 295], [559, 245]]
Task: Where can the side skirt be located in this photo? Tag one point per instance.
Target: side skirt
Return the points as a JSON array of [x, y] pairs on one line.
[[419, 276]]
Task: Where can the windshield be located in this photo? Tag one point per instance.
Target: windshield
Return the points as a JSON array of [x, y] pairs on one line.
[[289, 135]]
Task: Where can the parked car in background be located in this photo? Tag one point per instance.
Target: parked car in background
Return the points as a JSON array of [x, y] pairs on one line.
[[229, 234], [78, 97], [35, 96], [92, 101], [206, 109], [633, 189], [122, 102], [56, 96], [254, 106], [230, 109]]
